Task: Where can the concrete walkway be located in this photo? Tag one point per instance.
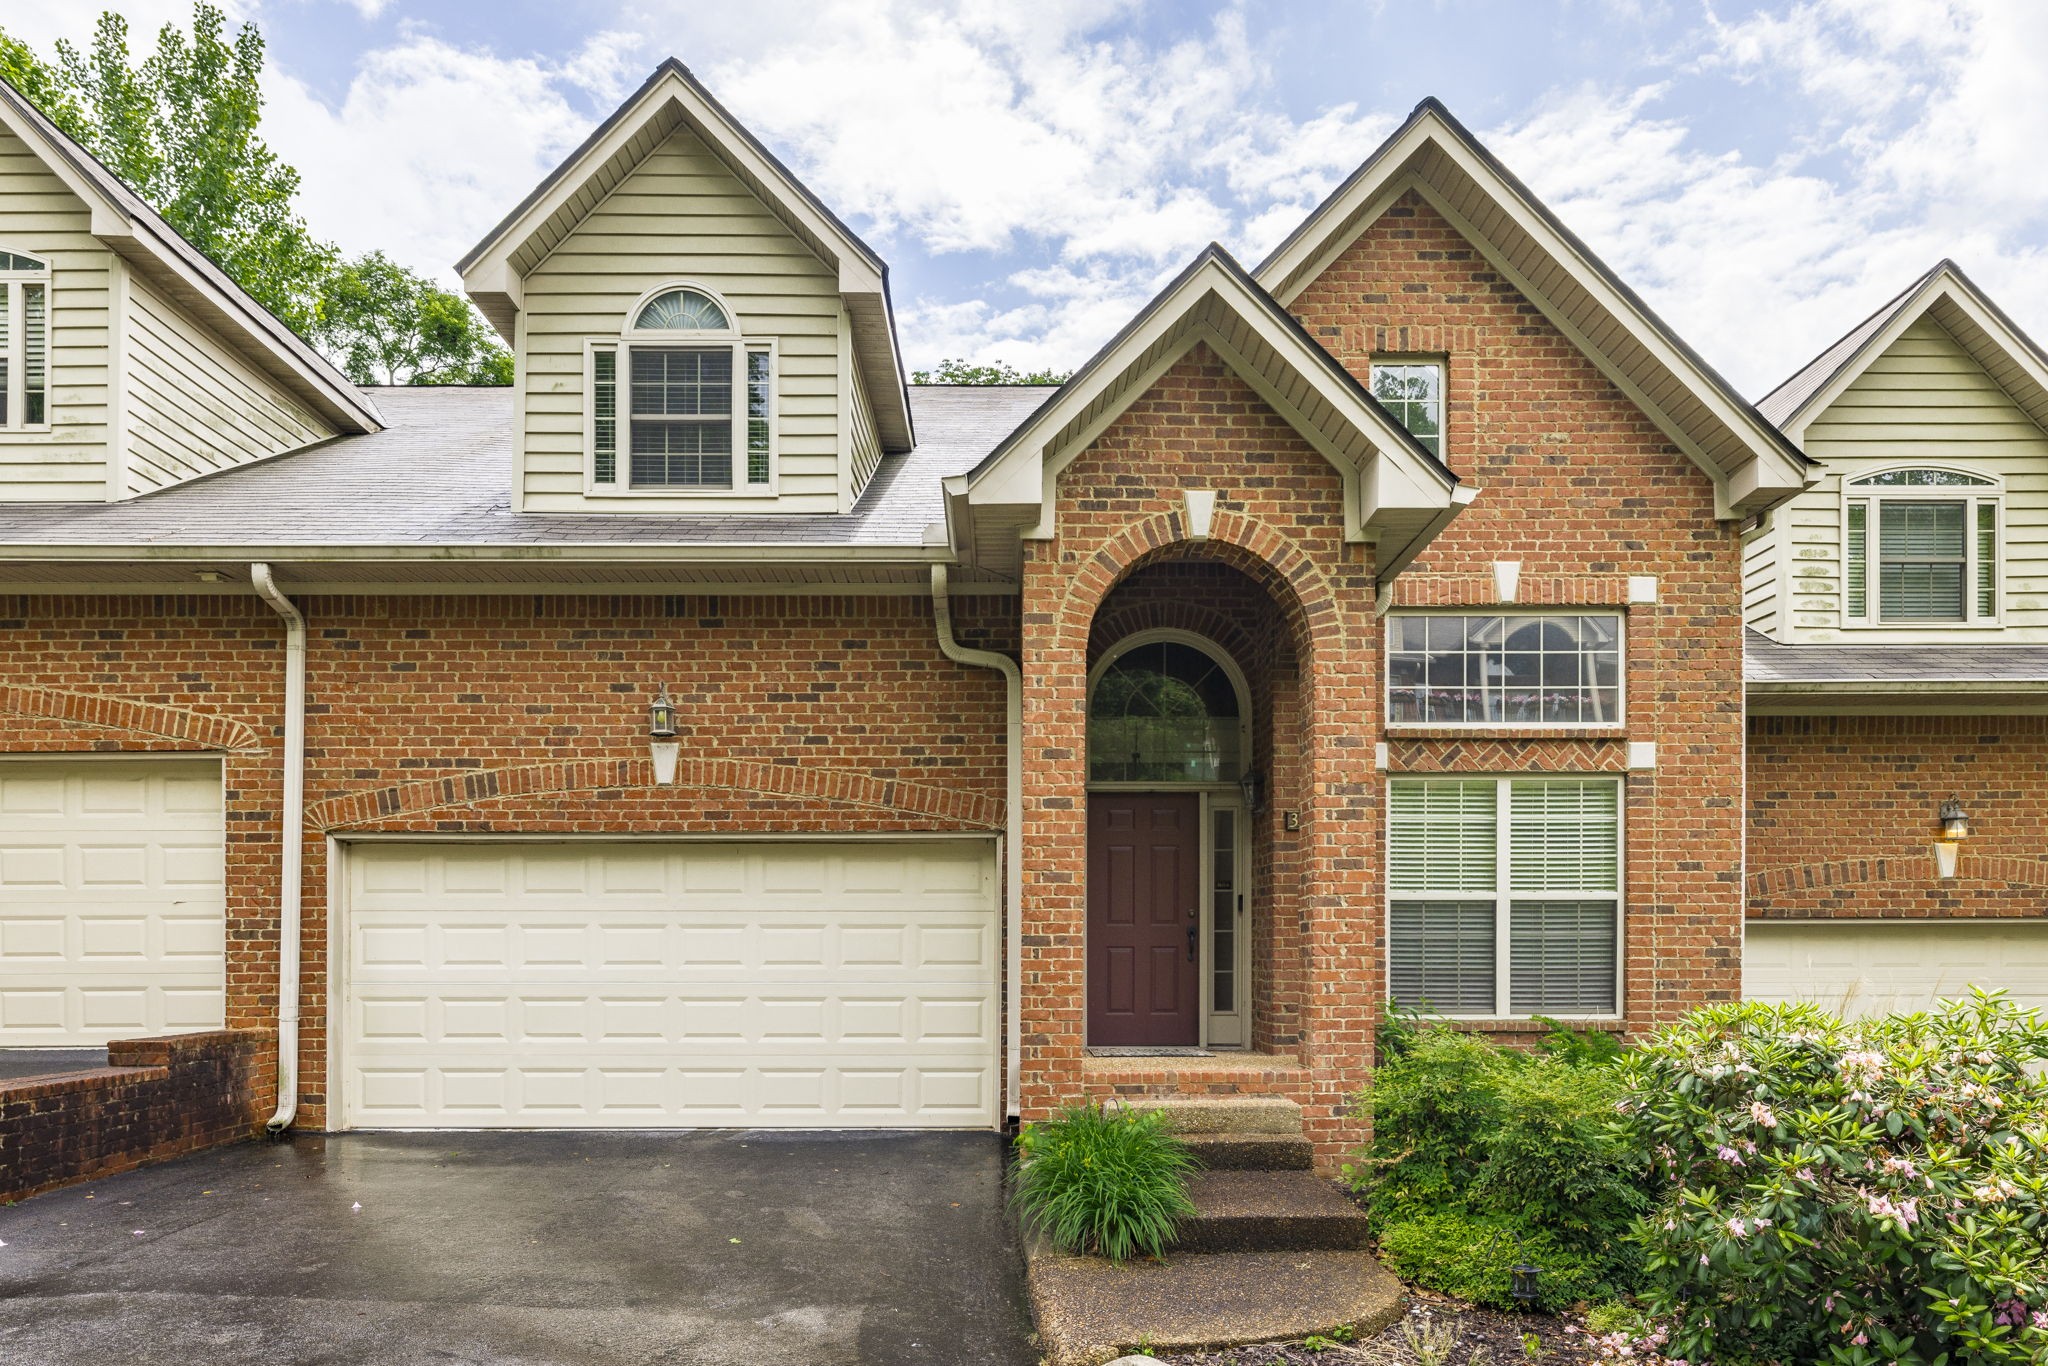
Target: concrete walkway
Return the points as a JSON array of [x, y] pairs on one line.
[[703, 1248]]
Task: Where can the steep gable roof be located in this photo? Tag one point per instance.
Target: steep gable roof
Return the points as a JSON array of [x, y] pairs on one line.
[[1947, 296], [1436, 157], [671, 98], [138, 234], [1395, 492]]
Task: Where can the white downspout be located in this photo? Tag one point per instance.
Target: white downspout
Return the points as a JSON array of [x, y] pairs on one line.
[[291, 848], [1013, 839]]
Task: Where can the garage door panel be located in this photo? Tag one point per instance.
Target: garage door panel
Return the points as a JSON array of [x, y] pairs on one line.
[[671, 984], [112, 899], [1871, 967]]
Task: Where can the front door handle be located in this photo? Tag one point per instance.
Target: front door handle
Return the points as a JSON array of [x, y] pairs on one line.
[[1191, 943]]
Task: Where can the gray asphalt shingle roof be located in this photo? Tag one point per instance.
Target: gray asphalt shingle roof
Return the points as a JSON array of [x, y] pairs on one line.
[[441, 474], [1768, 661]]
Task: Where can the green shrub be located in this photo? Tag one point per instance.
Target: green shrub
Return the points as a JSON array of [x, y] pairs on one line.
[[1473, 1256], [1109, 1182], [1461, 1124], [1855, 1192]]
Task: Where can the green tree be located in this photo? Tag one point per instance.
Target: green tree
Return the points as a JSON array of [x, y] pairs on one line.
[[384, 324], [996, 372], [181, 129]]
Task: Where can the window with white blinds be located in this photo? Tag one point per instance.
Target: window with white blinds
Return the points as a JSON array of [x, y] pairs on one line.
[[1504, 895], [1922, 548]]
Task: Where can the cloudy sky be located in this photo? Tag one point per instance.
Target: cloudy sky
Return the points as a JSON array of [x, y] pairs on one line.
[[1764, 175]]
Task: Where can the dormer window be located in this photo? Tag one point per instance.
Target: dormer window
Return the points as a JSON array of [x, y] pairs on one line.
[[1920, 548], [24, 342], [681, 401]]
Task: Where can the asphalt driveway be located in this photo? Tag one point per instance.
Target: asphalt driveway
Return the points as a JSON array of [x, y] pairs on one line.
[[702, 1248]]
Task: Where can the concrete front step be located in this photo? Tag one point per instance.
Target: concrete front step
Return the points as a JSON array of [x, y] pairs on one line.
[[1269, 1211], [1089, 1311], [1251, 1152], [1225, 1114]]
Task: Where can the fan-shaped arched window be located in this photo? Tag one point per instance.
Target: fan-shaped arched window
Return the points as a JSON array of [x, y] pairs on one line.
[[681, 310], [24, 340], [1165, 711], [1920, 547], [684, 394]]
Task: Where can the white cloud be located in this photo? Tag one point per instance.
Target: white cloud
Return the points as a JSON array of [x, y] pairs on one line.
[[431, 145]]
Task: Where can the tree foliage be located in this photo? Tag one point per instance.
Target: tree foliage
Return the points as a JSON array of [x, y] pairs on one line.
[[182, 128], [995, 372], [384, 324]]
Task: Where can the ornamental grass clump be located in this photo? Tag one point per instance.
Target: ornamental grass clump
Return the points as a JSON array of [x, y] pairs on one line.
[[1856, 1192], [1112, 1182]]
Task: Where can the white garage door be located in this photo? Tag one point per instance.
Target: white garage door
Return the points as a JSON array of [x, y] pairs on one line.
[[1865, 967], [670, 985], [112, 913]]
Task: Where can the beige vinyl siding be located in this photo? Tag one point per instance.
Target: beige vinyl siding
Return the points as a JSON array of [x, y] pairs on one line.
[[680, 215], [1760, 577], [1923, 401], [38, 215], [865, 446], [194, 406]]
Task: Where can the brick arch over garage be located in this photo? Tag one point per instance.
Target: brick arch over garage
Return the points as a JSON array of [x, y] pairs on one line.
[[1913, 871], [195, 729], [838, 787]]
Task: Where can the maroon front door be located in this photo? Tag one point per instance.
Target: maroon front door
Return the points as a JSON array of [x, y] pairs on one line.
[[1144, 870]]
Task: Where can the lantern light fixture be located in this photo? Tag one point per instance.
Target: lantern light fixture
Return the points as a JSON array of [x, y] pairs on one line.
[[1524, 1286], [662, 745], [1955, 828]]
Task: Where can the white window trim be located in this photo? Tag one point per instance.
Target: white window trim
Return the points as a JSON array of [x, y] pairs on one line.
[[16, 350], [1504, 610], [1992, 491], [1503, 896], [1443, 389], [665, 338]]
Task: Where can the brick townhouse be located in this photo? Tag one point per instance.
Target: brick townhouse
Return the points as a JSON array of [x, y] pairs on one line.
[[713, 730]]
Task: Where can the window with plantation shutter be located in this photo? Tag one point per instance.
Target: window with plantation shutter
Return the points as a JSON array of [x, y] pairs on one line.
[[1921, 548], [1504, 895], [24, 341], [680, 401]]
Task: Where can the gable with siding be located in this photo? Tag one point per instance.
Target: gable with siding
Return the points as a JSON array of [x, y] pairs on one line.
[[1922, 400], [41, 216]]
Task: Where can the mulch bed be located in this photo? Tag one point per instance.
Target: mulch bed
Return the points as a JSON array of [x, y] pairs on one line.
[[1484, 1337]]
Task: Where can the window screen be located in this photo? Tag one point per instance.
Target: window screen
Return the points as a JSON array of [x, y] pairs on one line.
[[1413, 391], [681, 417], [1921, 560]]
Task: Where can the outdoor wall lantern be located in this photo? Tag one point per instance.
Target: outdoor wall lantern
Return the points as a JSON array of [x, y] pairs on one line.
[[1955, 828], [662, 746], [1249, 786]]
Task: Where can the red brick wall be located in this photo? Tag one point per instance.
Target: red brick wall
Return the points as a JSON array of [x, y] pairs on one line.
[[1584, 491], [157, 1098], [1842, 814], [517, 714]]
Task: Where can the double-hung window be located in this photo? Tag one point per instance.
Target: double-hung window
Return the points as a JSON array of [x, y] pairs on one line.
[[681, 402], [1549, 669], [24, 342], [1413, 391], [1920, 547], [1504, 895]]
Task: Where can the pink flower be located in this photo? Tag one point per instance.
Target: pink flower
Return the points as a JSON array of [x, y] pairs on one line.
[[1861, 1340]]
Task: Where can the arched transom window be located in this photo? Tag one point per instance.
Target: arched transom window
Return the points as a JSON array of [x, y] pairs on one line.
[[1166, 711], [24, 341], [681, 402], [1921, 547]]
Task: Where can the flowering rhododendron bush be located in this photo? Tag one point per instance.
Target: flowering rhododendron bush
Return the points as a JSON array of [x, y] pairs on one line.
[[1860, 1191]]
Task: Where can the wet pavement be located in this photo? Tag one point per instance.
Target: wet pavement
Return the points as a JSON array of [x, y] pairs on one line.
[[705, 1248]]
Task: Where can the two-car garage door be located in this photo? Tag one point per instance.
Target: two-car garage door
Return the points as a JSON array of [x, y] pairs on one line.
[[1869, 967], [670, 984]]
